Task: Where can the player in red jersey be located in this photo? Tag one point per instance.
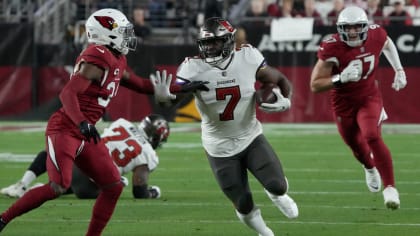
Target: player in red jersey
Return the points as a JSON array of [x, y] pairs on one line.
[[71, 136], [346, 66]]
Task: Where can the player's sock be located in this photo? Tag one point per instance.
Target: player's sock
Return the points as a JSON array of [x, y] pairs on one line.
[[28, 178], [255, 221], [30, 200], [103, 209], [39, 166]]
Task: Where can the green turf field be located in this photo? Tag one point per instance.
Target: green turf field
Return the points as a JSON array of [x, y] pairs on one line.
[[325, 180]]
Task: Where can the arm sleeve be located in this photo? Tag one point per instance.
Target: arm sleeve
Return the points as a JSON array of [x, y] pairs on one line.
[[137, 83], [391, 54], [68, 97]]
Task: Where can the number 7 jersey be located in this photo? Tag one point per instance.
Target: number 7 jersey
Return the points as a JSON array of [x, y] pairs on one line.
[[227, 110], [352, 94]]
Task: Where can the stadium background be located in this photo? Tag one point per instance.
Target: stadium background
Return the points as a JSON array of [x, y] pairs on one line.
[[38, 53]]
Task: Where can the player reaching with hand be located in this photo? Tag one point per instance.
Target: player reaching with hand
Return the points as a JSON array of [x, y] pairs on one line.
[[231, 134], [71, 135], [132, 148]]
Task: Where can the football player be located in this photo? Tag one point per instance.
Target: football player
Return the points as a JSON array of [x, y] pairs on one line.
[[231, 135], [131, 147], [71, 136], [347, 63]]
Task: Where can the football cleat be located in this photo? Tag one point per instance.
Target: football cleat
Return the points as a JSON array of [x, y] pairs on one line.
[[268, 232], [154, 192], [124, 181], [36, 186], [15, 190], [373, 180], [285, 204], [2, 224], [391, 198]]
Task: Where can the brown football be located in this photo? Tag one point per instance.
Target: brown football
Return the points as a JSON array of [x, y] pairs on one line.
[[265, 93]]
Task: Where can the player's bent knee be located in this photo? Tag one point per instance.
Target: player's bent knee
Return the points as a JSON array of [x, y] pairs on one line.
[[277, 187], [113, 190], [245, 203], [58, 189]]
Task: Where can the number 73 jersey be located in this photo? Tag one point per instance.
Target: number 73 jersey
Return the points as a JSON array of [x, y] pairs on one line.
[[128, 146], [334, 50]]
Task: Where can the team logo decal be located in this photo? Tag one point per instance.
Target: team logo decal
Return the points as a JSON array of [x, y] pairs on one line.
[[107, 22], [226, 25]]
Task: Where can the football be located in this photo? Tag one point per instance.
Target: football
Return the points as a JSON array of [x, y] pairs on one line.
[[265, 93]]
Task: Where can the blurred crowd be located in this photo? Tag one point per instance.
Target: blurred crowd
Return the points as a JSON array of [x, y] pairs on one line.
[[149, 16], [325, 12]]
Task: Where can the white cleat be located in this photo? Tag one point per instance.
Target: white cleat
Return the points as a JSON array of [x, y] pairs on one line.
[[391, 198], [373, 180], [285, 204], [155, 191], [268, 232], [15, 190], [36, 186]]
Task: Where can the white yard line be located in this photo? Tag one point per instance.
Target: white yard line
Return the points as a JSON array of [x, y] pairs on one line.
[[203, 221]]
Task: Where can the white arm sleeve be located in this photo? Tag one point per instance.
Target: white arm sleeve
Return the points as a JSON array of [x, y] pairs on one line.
[[391, 54]]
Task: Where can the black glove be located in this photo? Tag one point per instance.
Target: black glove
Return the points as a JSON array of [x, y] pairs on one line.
[[193, 86], [89, 131]]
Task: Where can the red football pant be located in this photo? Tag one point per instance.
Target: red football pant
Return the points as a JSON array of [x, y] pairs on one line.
[[94, 160], [362, 133]]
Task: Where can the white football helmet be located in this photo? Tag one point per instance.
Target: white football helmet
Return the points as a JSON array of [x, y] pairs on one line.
[[352, 16], [111, 27]]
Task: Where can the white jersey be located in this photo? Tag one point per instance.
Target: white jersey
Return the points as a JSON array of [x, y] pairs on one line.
[[128, 146], [227, 110]]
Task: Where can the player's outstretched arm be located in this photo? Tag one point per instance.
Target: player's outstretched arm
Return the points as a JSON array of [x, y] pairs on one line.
[[391, 54]]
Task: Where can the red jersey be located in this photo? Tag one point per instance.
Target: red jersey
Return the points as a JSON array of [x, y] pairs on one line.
[[97, 96], [351, 95]]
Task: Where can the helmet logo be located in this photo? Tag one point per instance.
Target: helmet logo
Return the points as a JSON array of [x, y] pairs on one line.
[[227, 25], [107, 22]]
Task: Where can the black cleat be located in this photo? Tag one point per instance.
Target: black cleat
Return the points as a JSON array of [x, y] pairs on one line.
[[2, 224]]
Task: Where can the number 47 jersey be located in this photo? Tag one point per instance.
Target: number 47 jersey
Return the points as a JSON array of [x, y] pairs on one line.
[[128, 146], [334, 50]]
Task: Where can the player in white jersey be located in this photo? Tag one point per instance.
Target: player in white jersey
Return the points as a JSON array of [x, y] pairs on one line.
[[132, 148], [231, 134]]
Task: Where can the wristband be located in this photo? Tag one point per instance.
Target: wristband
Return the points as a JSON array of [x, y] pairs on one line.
[[336, 80]]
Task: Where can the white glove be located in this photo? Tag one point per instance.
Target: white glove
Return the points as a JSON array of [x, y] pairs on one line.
[[400, 80], [352, 73], [161, 85], [280, 105], [124, 181]]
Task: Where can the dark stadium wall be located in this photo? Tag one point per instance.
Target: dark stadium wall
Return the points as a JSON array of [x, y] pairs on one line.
[[31, 77]]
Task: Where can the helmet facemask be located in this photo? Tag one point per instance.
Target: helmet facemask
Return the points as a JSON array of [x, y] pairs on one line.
[[352, 26], [110, 27], [216, 40], [156, 129], [129, 40], [345, 34]]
